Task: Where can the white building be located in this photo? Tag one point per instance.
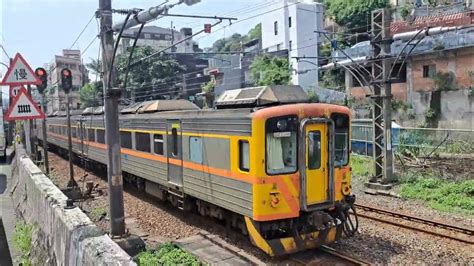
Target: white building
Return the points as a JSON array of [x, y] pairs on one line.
[[292, 28]]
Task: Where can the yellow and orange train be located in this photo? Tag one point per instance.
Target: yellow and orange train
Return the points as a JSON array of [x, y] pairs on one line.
[[279, 173]]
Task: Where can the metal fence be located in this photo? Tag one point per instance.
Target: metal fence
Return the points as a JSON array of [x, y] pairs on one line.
[[418, 141]]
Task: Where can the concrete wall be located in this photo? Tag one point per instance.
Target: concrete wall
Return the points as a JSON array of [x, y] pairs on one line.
[[62, 236]]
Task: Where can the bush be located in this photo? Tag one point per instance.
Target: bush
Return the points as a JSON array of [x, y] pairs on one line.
[[440, 194], [166, 254]]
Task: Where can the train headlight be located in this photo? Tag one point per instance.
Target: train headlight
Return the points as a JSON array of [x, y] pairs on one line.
[[275, 200], [346, 189]]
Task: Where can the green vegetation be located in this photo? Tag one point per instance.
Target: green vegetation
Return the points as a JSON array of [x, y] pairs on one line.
[[98, 213], [451, 196], [362, 166], [235, 41], [22, 238], [270, 70], [354, 14], [89, 94], [166, 254]]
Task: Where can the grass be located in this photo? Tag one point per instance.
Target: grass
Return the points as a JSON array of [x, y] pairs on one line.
[[22, 238], [98, 213], [442, 195], [362, 166], [166, 254]]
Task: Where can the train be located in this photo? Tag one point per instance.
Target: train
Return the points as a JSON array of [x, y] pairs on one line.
[[265, 161]]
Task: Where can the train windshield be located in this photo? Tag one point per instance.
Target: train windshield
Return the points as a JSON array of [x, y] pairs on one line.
[[341, 140], [281, 145]]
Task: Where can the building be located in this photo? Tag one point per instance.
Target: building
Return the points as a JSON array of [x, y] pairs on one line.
[[437, 76], [158, 38], [294, 28], [56, 98]]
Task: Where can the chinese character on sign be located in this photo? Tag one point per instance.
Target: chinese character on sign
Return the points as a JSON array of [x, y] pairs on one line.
[[20, 74]]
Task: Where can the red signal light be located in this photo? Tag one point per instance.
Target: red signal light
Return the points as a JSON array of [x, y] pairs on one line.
[[40, 72], [207, 28]]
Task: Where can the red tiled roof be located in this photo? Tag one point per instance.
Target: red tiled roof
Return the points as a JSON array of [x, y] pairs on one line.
[[456, 19]]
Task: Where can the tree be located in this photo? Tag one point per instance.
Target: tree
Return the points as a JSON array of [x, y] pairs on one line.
[[90, 94], [353, 14], [152, 78], [234, 42], [254, 33], [270, 70]]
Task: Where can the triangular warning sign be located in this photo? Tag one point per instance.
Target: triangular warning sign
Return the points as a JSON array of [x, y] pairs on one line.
[[19, 73], [23, 108]]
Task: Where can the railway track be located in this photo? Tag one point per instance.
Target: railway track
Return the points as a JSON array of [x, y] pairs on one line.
[[413, 219], [325, 255]]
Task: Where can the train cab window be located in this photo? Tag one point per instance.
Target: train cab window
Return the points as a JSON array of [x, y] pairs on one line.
[[244, 155], [126, 139], [142, 142], [281, 145], [314, 150], [174, 135], [341, 139], [101, 136], [158, 144], [91, 135], [195, 149]]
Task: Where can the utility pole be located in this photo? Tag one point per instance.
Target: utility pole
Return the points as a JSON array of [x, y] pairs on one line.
[[382, 96], [111, 97]]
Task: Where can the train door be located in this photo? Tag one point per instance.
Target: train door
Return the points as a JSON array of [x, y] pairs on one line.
[[316, 155], [174, 154]]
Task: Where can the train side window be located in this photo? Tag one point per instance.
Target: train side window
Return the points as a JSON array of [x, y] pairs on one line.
[[158, 144], [91, 135], [73, 132], [142, 142], [174, 135], [195, 149], [126, 139], [101, 136], [244, 155], [314, 150]]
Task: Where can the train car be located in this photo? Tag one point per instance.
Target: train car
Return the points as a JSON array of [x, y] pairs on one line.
[[276, 169]]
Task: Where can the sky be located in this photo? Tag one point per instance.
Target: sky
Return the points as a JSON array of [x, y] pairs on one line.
[[40, 29]]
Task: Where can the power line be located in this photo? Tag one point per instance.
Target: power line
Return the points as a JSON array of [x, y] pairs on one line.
[[83, 30]]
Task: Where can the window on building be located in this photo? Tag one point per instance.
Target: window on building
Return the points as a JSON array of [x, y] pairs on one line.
[[101, 136], [174, 135], [195, 149], [90, 134], [289, 22], [275, 27], [244, 155], [158, 144], [429, 71], [142, 142], [290, 44], [126, 139]]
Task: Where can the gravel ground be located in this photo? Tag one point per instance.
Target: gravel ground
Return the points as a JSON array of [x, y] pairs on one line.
[[375, 242], [381, 243]]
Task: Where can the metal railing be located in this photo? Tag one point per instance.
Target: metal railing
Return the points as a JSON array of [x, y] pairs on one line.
[[418, 141]]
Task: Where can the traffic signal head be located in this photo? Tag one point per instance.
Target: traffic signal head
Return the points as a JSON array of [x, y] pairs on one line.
[[66, 80], [43, 77], [207, 28]]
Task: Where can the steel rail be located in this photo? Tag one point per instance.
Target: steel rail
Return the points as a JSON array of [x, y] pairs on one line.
[[412, 218], [343, 255]]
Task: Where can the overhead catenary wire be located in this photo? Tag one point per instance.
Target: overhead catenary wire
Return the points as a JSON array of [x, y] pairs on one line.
[[83, 30]]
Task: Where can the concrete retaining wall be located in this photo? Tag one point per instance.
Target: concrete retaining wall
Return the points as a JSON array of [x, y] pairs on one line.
[[62, 236]]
